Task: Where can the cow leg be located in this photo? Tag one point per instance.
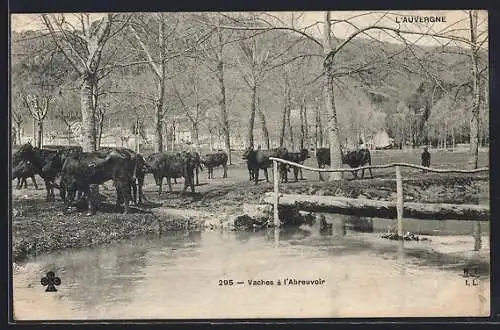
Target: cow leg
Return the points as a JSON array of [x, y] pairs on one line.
[[296, 173], [170, 184], [301, 174], [256, 175], [158, 180], [124, 187], [188, 181], [34, 182], [91, 198], [18, 185], [197, 172], [283, 169], [47, 189], [70, 197], [266, 174], [225, 170], [134, 191], [319, 173], [119, 196], [140, 183]]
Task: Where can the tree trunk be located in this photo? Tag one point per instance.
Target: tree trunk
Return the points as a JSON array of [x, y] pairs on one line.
[[40, 134], [196, 135], [333, 129], [283, 122], [474, 115], [318, 135], [306, 128], [210, 140], [302, 127], [88, 113], [381, 209], [263, 124], [289, 124], [34, 131], [19, 128], [252, 117], [159, 115], [100, 125], [222, 107]]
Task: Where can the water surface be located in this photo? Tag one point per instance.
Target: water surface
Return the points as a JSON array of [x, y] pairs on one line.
[[177, 276]]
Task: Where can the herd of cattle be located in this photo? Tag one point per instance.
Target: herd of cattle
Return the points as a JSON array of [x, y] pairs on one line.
[[76, 174]]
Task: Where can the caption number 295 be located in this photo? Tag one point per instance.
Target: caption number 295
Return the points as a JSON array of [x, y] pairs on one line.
[[225, 282]]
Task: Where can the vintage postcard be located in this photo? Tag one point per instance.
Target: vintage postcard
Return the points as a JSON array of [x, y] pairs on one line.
[[199, 165]]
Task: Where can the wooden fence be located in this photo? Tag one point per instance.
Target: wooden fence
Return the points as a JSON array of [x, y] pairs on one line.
[[461, 211]]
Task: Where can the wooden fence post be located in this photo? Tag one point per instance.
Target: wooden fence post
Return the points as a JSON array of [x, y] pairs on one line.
[[399, 201], [276, 194]]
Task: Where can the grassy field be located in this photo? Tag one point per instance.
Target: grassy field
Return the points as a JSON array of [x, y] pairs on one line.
[[39, 226]]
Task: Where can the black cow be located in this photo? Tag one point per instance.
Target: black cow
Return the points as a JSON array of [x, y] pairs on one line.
[[214, 160], [354, 159], [45, 163], [21, 172], [259, 159], [137, 171], [84, 171], [297, 157], [172, 165]]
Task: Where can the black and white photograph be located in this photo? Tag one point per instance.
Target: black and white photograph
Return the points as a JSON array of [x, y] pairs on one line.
[[249, 165]]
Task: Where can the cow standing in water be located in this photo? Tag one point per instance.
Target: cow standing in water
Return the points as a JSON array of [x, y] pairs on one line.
[[426, 159], [354, 159]]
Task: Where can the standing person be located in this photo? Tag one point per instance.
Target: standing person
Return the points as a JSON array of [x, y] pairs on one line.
[[426, 158]]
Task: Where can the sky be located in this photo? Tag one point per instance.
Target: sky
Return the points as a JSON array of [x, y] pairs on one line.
[[457, 23]]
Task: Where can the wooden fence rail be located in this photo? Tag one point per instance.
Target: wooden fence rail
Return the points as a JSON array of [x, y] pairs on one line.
[[399, 185]]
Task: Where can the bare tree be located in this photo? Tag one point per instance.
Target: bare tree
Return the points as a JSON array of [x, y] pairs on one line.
[[286, 106], [476, 93], [18, 120], [253, 70], [38, 109], [212, 52], [263, 124], [157, 60], [193, 110], [332, 71], [69, 118], [83, 47]]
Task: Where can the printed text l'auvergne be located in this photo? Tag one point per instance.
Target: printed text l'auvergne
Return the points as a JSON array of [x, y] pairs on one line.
[[421, 19]]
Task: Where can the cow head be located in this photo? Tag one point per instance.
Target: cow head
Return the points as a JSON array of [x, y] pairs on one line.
[[247, 152], [304, 154], [25, 153]]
